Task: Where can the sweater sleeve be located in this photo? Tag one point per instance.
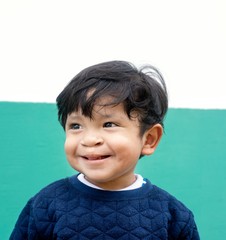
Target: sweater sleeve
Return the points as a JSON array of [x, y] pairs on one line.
[[190, 231], [25, 225]]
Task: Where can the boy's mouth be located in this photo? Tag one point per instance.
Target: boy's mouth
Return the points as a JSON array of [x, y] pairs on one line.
[[94, 157]]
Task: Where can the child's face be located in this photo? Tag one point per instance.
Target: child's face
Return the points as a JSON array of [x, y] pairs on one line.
[[105, 148]]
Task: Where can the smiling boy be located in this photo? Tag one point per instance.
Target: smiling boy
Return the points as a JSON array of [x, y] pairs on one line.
[[113, 115], [107, 147]]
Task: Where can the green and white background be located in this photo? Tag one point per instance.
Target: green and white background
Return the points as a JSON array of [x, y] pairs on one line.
[[44, 43]]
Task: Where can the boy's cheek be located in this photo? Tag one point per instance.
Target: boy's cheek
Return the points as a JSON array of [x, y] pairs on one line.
[[69, 146]]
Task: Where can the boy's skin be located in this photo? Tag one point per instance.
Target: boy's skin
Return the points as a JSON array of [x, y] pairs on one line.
[[107, 147]]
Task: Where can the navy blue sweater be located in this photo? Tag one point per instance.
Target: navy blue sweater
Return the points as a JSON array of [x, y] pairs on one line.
[[68, 209]]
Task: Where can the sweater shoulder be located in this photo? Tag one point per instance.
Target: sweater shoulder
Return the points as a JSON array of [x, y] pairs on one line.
[[171, 201], [53, 190], [38, 210], [180, 218]]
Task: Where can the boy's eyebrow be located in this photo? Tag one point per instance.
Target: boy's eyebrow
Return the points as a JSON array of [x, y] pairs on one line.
[[111, 116], [77, 116], [74, 116], [108, 114], [105, 115]]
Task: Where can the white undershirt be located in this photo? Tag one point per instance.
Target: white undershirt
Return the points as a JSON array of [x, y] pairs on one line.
[[137, 184]]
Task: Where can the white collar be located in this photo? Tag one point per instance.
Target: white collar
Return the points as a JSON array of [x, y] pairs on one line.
[[137, 184]]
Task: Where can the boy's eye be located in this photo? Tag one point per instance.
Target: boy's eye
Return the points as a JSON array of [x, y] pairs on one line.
[[75, 126], [109, 125]]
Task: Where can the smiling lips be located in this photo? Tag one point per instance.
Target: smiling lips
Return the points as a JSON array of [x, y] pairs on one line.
[[94, 158]]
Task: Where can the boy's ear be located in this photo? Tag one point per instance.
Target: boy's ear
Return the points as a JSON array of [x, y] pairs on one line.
[[151, 139]]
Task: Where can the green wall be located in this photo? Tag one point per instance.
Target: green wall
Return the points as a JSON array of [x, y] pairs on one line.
[[189, 163]]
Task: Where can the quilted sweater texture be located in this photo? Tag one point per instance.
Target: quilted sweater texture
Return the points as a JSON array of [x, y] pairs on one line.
[[68, 209]]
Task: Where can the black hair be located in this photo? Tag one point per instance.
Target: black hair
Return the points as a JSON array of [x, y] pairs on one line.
[[142, 91]]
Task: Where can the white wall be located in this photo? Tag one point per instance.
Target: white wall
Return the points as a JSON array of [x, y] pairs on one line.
[[44, 43]]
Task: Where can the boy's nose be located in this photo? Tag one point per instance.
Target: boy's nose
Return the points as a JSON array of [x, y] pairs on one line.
[[90, 141]]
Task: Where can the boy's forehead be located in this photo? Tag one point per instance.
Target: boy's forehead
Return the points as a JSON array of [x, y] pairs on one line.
[[103, 108]]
